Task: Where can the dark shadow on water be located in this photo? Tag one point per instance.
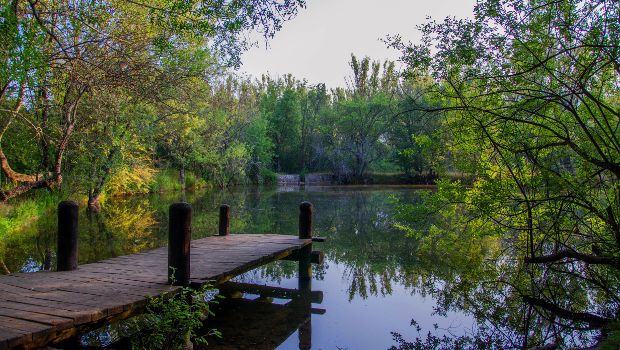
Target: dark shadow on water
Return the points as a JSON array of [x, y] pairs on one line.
[[260, 321]]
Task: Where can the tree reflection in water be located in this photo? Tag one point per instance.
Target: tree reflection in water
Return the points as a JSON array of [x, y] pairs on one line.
[[514, 305]]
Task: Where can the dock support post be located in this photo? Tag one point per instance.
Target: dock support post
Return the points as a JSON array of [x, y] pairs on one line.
[[305, 253], [224, 226], [179, 238], [305, 335], [305, 274], [67, 253]]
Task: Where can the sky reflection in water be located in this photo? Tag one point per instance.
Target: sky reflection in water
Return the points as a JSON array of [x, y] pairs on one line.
[[371, 279]]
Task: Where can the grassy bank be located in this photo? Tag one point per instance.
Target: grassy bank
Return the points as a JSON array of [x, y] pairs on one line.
[[15, 216], [168, 180]]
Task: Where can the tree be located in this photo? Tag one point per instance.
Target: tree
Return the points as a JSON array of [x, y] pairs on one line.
[[415, 134], [529, 92], [56, 53], [362, 114], [315, 103], [285, 128]]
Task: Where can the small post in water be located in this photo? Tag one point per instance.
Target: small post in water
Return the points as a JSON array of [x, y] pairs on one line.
[[179, 238], [224, 228], [67, 236], [305, 220], [305, 253]]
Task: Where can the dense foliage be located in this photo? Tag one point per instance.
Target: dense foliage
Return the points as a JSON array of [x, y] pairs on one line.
[[523, 99], [107, 95], [530, 98]]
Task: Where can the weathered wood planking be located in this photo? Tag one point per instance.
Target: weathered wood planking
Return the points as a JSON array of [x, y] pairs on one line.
[[37, 308]]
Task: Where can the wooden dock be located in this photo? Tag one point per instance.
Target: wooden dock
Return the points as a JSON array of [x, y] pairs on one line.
[[37, 308]]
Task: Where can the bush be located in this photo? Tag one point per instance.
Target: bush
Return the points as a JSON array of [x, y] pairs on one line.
[[166, 180], [268, 176], [131, 180], [193, 182], [173, 321]]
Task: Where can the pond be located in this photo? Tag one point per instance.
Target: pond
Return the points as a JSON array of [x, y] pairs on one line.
[[376, 285]]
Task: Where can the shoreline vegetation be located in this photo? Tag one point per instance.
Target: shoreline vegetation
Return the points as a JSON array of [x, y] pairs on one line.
[[106, 98], [18, 214]]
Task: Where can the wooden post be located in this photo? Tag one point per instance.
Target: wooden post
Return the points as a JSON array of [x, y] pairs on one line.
[[305, 274], [305, 253], [224, 228], [179, 238], [305, 220], [67, 252], [305, 335]]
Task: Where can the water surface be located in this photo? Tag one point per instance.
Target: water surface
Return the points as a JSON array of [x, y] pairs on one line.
[[376, 282], [370, 279]]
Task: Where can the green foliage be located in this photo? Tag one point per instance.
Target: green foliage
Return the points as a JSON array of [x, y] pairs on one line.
[[229, 169], [268, 176], [174, 320], [284, 128], [529, 105], [145, 87], [167, 180], [14, 217], [261, 149], [134, 180]]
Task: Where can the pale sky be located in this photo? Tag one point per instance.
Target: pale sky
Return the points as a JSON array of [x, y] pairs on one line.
[[317, 44]]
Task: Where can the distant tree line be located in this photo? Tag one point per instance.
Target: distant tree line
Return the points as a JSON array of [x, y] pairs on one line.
[[106, 95]]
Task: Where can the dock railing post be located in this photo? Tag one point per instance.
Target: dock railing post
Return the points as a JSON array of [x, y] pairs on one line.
[[67, 251], [179, 238], [305, 232], [224, 223], [305, 274]]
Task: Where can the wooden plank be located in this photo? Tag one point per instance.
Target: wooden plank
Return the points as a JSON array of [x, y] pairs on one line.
[[54, 321], [10, 337], [30, 330], [36, 308], [77, 317], [93, 313]]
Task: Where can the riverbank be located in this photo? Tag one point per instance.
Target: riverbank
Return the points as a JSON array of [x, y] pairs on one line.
[[371, 178]]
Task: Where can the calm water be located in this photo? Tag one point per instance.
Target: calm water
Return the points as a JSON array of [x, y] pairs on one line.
[[375, 281]]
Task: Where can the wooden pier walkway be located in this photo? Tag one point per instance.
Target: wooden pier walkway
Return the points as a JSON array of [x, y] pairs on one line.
[[36, 308]]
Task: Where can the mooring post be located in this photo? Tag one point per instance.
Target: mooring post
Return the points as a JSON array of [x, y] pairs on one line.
[[305, 275], [305, 335], [179, 238], [224, 228], [67, 253], [305, 253], [305, 220]]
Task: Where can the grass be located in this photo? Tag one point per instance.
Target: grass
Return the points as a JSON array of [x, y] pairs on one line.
[[167, 180], [15, 216]]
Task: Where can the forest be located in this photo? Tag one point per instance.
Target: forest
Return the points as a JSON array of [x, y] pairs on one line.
[[513, 115], [87, 104]]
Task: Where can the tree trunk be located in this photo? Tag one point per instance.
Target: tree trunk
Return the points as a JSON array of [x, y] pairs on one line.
[[44, 139], [360, 165], [182, 176], [95, 192], [94, 206]]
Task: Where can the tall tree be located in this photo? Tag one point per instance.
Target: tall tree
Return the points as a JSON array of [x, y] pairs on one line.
[[362, 115], [56, 52], [531, 97]]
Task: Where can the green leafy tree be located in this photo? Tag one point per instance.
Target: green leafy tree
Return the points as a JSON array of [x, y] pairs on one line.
[[361, 116], [63, 51], [529, 91], [284, 125]]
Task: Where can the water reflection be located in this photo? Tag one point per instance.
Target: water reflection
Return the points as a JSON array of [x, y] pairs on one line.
[[263, 317], [374, 280]]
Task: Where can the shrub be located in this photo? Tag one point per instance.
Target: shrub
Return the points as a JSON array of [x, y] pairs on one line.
[[173, 321]]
